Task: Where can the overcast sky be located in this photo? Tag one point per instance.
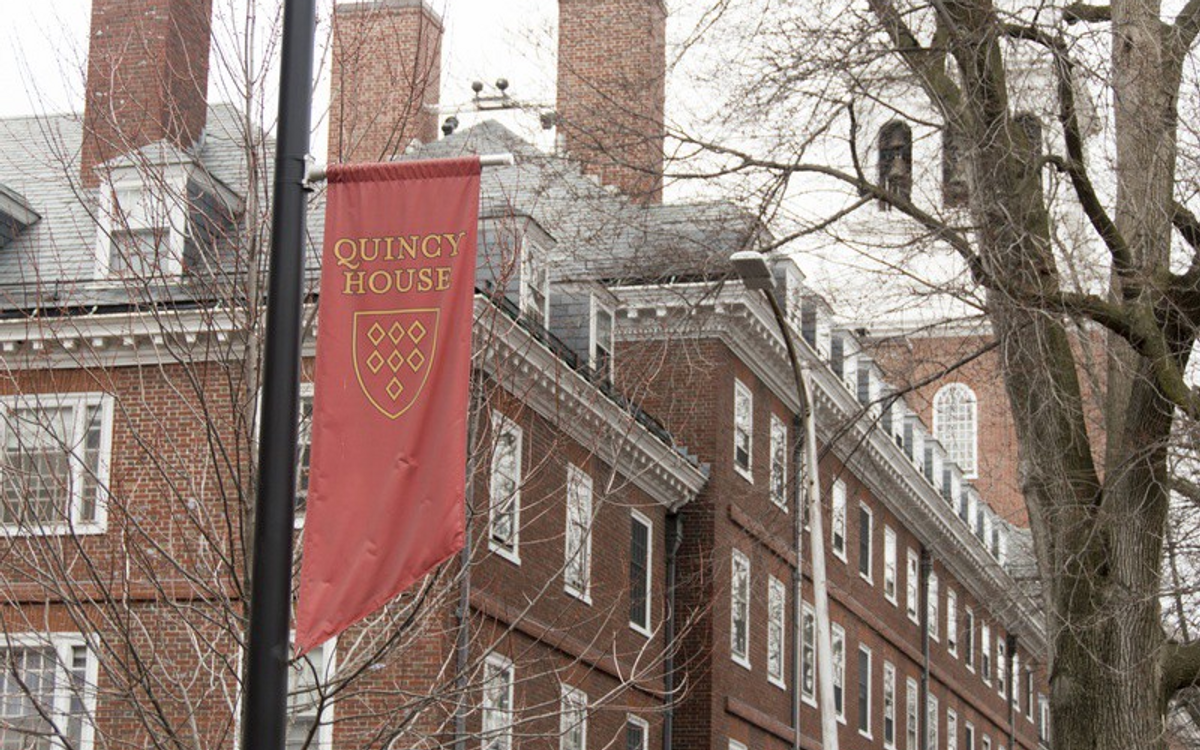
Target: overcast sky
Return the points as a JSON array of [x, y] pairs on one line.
[[43, 48]]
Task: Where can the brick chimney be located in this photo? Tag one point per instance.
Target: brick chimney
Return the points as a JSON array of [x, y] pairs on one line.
[[387, 57], [611, 90], [147, 77]]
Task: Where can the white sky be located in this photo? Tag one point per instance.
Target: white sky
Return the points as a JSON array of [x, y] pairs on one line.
[[43, 50]]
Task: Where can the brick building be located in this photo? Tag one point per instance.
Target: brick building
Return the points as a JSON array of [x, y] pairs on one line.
[[634, 561]]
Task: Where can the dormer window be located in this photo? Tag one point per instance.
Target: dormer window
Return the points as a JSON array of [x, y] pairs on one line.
[[535, 286], [136, 244], [601, 355]]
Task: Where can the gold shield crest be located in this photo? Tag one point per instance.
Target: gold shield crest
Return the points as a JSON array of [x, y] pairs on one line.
[[393, 354]]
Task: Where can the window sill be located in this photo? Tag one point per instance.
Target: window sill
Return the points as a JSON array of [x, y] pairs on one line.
[[779, 683], [892, 600], [741, 662], [745, 473], [582, 596], [783, 508], [641, 630], [808, 700], [15, 531], [511, 555], [840, 555], [869, 579]]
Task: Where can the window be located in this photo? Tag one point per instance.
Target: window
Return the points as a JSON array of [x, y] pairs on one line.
[[640, 534], [955, 425], [637, 734], [910, 714], [304, 451], [1029, 694], [864, 691], [497, 714], [987, 743], [577, 572], [808, 657], [535, 286], [602, 341], [956, 189], [135, 241], [839, 672], [1043, 727], [969, 633], [572, 718], [985, 651], [895, 160], [952, 622], [864, 543], [735, 745], [1001, 668], [912, 585], [776, 604], [779, 462], [1031, 127], [933, 605], [504, 506], [743, 428], [308, 710], [837, 526], [968, 736], [739, 606], [1016, 682], [47, 684], [889, 564], [951, 729], [931, 716], [55, 463], [889, 705]]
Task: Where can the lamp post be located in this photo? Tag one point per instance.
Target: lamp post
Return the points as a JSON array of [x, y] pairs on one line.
[[751, 267]]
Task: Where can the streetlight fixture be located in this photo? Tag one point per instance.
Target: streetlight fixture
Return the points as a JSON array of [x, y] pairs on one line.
[[751, 267]]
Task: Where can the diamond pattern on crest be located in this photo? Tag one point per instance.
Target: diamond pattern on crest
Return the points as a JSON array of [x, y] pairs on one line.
[[375, 361]]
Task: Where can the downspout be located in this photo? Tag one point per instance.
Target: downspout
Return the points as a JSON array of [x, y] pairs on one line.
[[797, 576], [463, 611], [1009, 651], [926, 568], [674, 541]]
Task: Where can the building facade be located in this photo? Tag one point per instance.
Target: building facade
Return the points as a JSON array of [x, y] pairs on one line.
[[637, 572]]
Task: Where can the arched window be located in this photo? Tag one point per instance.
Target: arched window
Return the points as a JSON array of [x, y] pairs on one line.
[[956, 425], [956, 190], [895, 159], [1033, 130]]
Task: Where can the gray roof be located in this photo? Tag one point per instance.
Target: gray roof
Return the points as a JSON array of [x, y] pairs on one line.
[[599, 234]]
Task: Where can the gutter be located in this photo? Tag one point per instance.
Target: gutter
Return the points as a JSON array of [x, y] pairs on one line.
[[674, 542]]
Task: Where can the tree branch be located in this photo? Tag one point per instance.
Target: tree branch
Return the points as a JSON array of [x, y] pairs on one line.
[[1084, 13], [1181, 666], [928, 64], [1186, 25]]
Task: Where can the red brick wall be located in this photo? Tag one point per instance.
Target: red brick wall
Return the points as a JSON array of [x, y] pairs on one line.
[[611, 90], [147, 77], [386, 78]]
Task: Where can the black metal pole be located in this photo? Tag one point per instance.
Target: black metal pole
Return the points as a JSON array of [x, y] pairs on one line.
[[265, 718]]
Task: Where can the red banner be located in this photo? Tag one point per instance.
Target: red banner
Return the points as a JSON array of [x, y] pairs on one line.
[[389, 431]]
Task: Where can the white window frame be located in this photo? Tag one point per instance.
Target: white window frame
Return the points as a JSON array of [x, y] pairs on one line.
[[579, 503], [889, 706], [912, 586], [839, 669], [912, 715], [951, 729], [496, 730], [969, 735], [735, 745], [969, 629], [740, 655], [130, 205], [779, 443], [642, 724], [1043, 723], [952, 621], [501, 424], [863, 649], [837, 520], [891, 576], [986, 742], [636, 517], [869, 575], [64, 644], [985, 653], [1029, 693], [931, 717], [743, 425], [597, 307], [966, 455], [326, 671], [1015, 688], [808, 654], [776, 631], [80, 402], [304, 440], [1001, 671], [934, 602], [573, 702], [532, 263]]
